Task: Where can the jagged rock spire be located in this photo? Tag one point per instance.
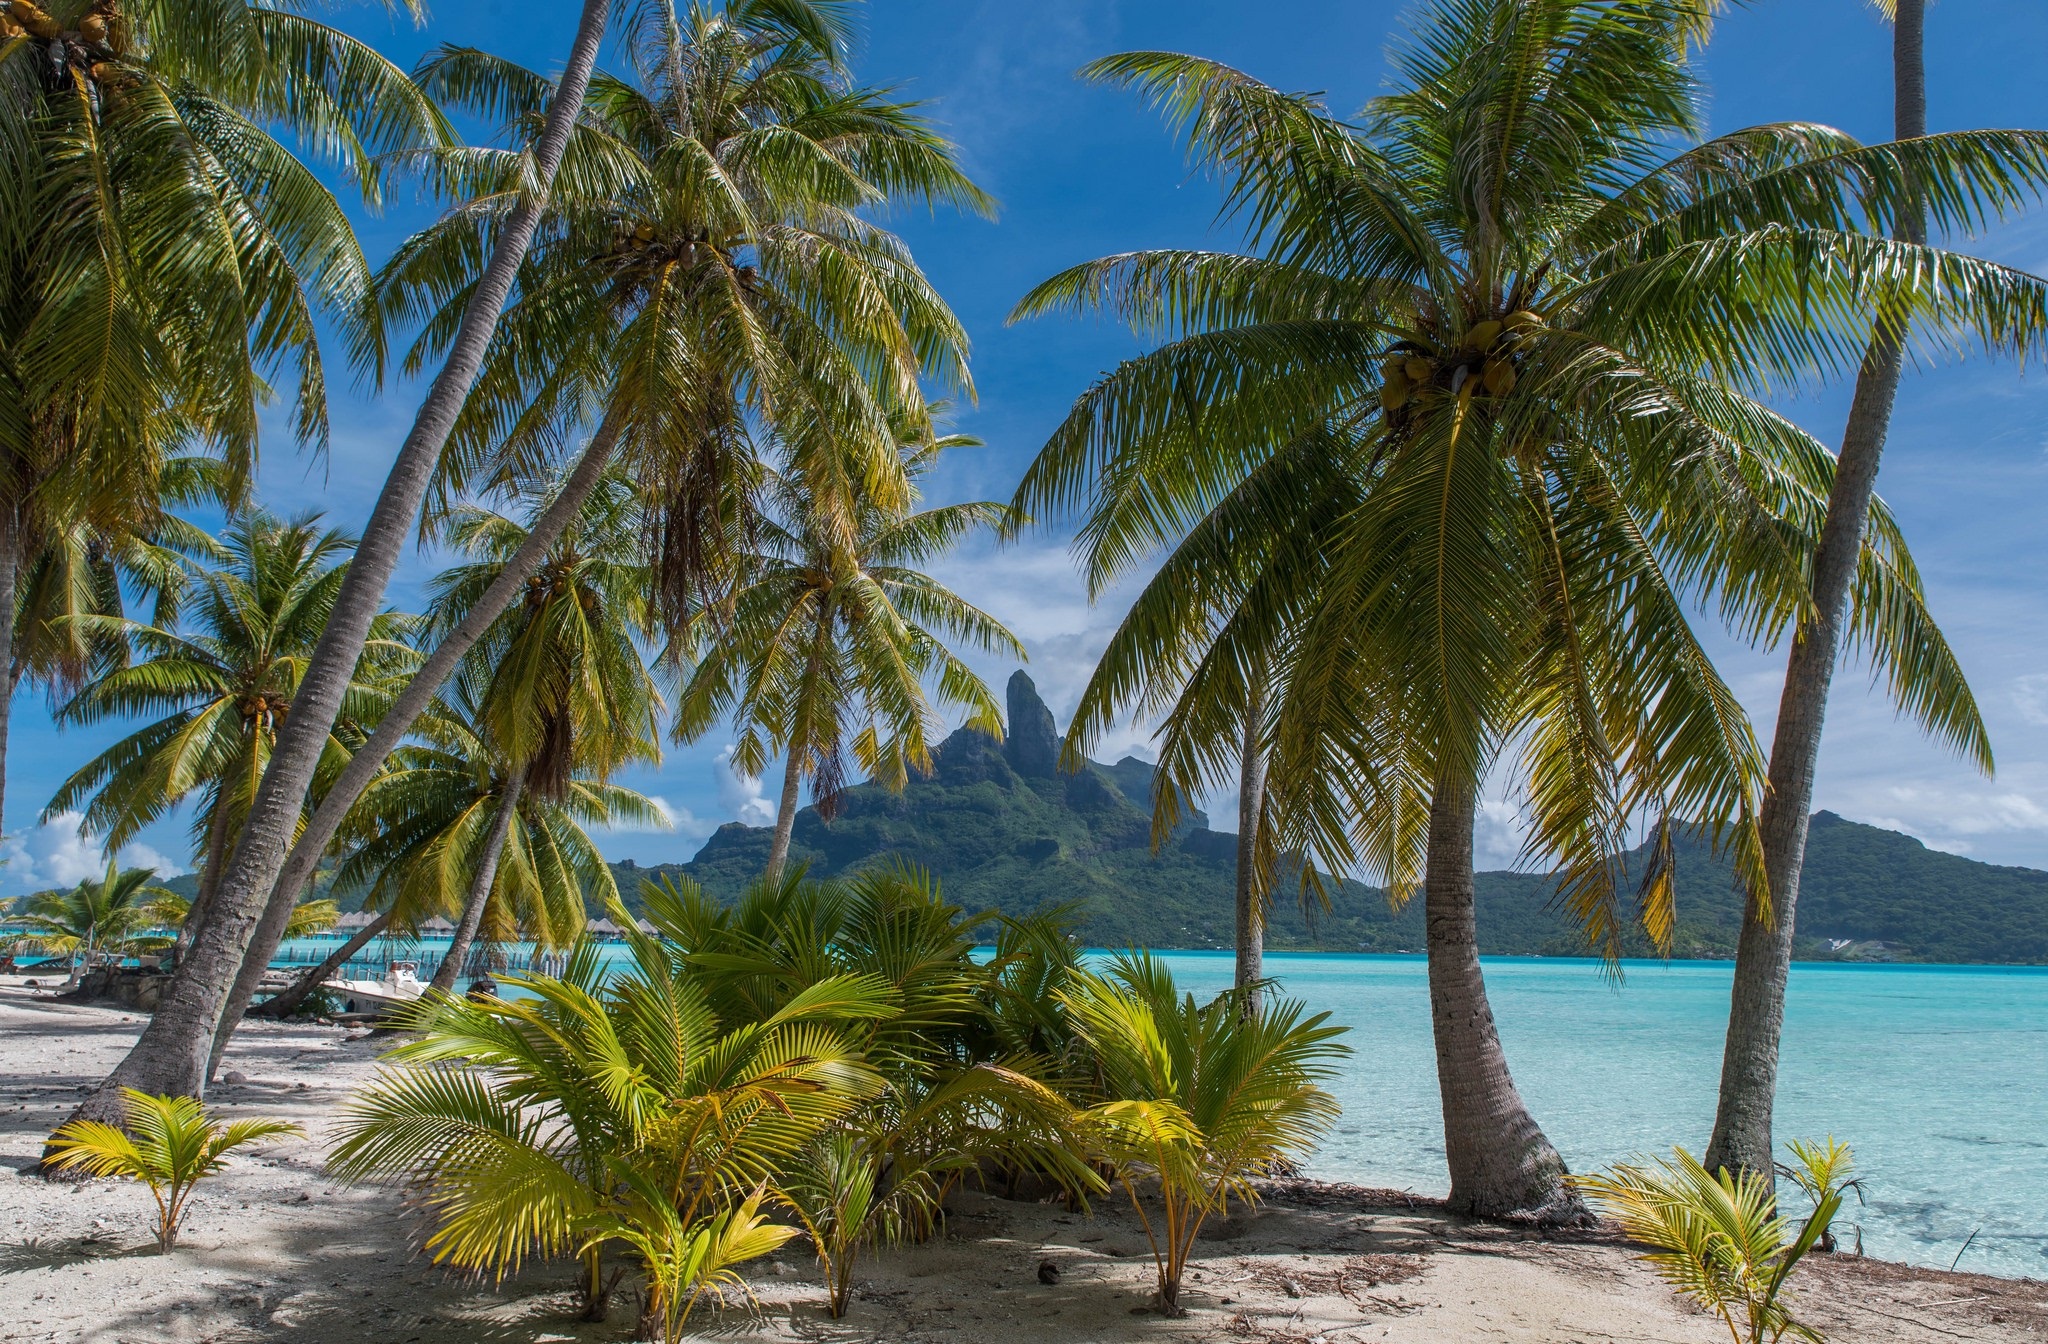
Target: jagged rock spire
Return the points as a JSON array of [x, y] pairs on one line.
[[1033, 745]]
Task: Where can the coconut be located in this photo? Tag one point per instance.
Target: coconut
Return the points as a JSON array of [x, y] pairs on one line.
[[1393, 394], [93, 28], [1499, 377], [1419, 370], [1483, 335], [34, 20], [1524, 320]]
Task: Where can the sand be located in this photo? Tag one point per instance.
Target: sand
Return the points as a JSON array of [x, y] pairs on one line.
[[277, 1250]]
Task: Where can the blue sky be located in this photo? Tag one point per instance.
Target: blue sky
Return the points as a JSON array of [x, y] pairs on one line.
[[1081, 172]]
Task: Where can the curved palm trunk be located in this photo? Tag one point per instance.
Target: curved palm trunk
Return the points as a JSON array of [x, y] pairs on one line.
[[398, 720], [173, 1053], [1763, 957], [785, 814], [10, 572], [1251, 804], [480, 885], [282, 1005], [1501, 1164]]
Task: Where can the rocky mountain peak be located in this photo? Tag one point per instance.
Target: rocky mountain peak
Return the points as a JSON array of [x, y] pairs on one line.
[[1033, 745]]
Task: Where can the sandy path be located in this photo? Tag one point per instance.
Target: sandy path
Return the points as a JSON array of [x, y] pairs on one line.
[[275, 1250]]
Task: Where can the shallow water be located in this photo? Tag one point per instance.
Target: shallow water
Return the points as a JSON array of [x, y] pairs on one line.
[[1936, 1075]]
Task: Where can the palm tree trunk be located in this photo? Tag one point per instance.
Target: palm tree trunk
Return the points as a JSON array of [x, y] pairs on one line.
[[480, 885], [10, 571], [419, 692], [1251, 804], [1763, 956], [1501, 1164], [282, 1005], [209, 881], [785, 814], [172, 1055]]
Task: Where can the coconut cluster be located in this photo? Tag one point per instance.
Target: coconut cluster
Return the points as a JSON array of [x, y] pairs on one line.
[[1481, 363], [94, 46]]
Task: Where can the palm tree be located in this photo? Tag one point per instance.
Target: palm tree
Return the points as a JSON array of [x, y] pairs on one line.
[[1763, 956], [722, 294], [115, 913], [216, 696], [556, 686], [432, 834], [174, 1052], [455, 832], [162, 256], [832, 642], [1527, 337]]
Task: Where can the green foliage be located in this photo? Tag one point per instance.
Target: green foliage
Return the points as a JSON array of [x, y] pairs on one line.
[[1457, 444], [217, 686], [834, 654], [588, 1110], [113, 913], [708, 281], [1199, 1098], [1721, 1239], [170, 1144]]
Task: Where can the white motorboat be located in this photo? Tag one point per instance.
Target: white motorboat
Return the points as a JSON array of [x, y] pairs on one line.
[[399, 986]]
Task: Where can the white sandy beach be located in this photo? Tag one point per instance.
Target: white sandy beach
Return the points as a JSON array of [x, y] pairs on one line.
[[276, 1250]]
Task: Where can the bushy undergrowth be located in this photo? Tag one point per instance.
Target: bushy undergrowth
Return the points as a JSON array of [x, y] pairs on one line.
[[823, 1058]]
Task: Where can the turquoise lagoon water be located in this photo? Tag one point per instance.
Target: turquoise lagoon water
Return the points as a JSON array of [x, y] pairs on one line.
[[1936, 1075]]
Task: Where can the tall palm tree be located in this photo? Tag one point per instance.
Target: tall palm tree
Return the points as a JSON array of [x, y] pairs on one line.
[[456, 833], [1527, 338], [832, 644], [557, 684], [1763, 956], [174, 1053], [743, 283], [114, 913], [218, 694], [162, 256]]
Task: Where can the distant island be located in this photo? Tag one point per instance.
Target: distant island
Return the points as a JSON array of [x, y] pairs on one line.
[[1004, 828]]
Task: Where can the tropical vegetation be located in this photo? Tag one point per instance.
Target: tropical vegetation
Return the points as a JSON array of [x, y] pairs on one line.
[[1439, 479], [169, 1144], [1721, 1238], [1444, 463], [120, 913]]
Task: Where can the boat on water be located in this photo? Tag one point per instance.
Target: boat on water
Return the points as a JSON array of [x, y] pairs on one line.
[[399, 986]]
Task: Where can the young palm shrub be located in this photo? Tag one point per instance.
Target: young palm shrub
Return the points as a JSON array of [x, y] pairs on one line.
[[881, 1177], [170, 1144], [681, 1259], [555, 1122], [1202, 1098], [1719, 1236]]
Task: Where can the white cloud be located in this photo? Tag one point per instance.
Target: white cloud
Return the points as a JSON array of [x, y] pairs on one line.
[[60, 853], [670, 818], [2030, 698], [741, 795]]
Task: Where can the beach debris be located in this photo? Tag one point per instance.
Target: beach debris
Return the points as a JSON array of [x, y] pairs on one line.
[[1292, 1287], [1048, 1272], [234, 1077]]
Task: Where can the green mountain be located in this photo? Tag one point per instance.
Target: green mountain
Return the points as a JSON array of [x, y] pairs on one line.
[[1004, 828]]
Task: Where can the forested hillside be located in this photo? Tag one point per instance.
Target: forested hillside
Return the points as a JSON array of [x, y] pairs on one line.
[[1005, 829]]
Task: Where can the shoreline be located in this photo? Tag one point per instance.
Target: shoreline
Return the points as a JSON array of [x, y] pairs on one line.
[[278, 1250]]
